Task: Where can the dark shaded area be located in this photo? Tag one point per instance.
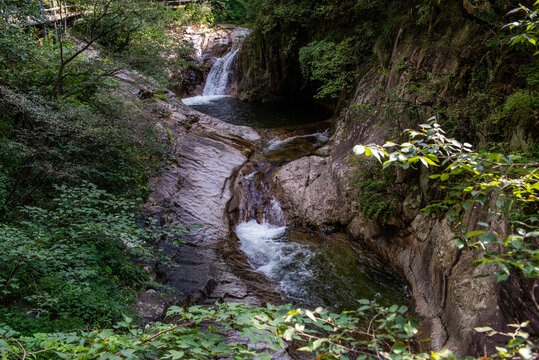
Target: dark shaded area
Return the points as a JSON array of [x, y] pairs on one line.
[[265, 115]]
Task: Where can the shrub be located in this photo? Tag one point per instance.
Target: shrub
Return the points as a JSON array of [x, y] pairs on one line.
[[70, 264], [330, 65]]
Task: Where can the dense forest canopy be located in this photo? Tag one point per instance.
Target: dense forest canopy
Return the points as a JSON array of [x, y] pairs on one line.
[[77, 149]]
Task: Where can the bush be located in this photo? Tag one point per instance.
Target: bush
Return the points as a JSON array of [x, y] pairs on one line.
[[70, 264], [195, 13], [108, 142], [228, 11], [331, 66]]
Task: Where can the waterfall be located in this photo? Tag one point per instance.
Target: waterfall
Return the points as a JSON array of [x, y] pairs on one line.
[[257, 200], [221, 75]]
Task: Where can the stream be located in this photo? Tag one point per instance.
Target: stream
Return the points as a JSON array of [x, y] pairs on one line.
[[310, 268]]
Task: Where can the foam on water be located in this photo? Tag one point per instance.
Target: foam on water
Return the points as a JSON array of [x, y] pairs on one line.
[[316, 270], [203, 99], [270, 253], [260, 243]]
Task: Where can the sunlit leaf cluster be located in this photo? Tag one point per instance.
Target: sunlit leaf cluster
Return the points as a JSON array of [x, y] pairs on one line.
[[528, 27], [509, 186]]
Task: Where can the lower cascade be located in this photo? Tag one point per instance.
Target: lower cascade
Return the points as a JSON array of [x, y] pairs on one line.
[[315, 269]]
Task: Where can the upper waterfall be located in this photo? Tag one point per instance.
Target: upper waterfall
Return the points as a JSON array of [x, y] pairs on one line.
[[221, 75]]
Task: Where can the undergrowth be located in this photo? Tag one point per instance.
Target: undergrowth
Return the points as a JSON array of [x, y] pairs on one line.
[[374, 190]]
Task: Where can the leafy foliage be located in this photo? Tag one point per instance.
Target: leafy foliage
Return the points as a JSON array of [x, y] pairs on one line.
[[319, 44], [69, 248], [202, 332], [373, 190], [369, 332], [72, 262], [331, 65], [210, 12], [68, 142], [140, 38], [14, 38], [195, 13], [528, 27], [228, 11]]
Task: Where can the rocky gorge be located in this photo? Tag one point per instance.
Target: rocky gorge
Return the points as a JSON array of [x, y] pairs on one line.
[[203, 186], [331, 179]]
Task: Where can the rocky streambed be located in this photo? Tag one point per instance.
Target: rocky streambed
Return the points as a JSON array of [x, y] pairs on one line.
[[194, 189], [241, 245]]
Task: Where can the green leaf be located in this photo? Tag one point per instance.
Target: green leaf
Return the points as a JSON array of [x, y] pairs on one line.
[[359, 150], [444, 177], [399, 347], [289, 333], [318, 343], [310, 315], [487, 238], [368, 152], [475, 233], [483, 329], [174, 354], [526, 353]]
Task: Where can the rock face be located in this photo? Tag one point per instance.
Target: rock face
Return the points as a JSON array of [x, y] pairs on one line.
[[209, 43], [268, 68], [448, 298], [194, 189], [299, 180]]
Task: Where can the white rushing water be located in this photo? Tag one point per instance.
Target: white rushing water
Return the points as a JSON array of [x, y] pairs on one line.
[[271, 253], [265, 246], [313, 269], [203, 99], [260, 243], [220, 75]]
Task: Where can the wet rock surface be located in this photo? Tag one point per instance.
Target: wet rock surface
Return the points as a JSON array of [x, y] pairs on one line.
[[299, 186], [212, 43]]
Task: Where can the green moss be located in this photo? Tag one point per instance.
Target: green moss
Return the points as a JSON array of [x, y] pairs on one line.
[[160, 96], [331, 65], [530, 74], [521, 107]]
